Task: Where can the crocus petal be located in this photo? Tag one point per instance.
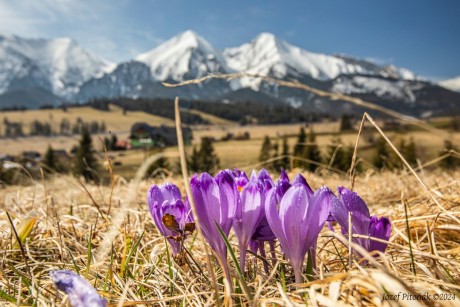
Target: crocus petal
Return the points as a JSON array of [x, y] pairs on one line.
[[206, 195], [229, 199], [318, 213], [299, 179], [266, 180], [170, 191], [293, 210], [166, 199], [263, 231], [188, 211], [175, 208], [241, 179], [273, 219], [351, 202], [381, 229], [80, 292], [251, 206], [282, 185]]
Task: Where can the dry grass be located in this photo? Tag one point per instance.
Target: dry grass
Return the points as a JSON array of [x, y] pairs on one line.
[[114, 118], [135, 268]]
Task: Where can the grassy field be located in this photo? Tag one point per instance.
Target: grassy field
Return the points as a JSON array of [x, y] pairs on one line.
[[114, 118], [242, 153], [106, 234], [109, 238]]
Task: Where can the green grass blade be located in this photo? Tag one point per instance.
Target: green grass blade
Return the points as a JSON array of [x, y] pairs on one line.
[[5, 296], [170, 271], [235, 261], [309, 269], [132, 250], [412, 265], [88, 264]]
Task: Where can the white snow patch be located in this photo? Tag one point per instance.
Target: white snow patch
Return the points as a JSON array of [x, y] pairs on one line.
[[451, 84]]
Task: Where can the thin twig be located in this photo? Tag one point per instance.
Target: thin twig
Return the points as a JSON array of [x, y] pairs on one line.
[[183, 164]]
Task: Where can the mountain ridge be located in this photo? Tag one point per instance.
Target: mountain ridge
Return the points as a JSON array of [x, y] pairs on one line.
[[73, 74]]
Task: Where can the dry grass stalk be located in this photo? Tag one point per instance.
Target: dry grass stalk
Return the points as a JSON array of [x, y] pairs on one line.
[[435, 249], [144, 279]]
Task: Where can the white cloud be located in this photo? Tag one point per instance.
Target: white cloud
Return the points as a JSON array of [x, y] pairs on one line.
[[96, 26]]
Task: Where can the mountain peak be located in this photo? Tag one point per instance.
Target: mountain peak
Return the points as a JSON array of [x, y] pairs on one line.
[[59, 65], [186, 55], [265, 36]]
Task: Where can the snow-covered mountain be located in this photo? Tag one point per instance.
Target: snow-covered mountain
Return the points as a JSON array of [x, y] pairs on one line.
[[185, 56], [34, 71], [268, 55], [59, 65], [451, 84], [126, 80]]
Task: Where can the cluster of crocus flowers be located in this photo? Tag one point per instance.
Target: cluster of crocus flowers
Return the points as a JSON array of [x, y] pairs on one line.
[[260, 210], [80, 292], [350, 203]]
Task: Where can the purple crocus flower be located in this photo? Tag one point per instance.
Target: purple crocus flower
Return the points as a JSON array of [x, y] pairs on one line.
[[166, 199], [381, 229], [282, 185], [249, 212], [299, 220], [80, 292], [362, 222], [263, 232], [216, 200], [241, 179]]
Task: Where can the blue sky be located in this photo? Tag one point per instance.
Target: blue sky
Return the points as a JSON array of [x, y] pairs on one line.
[[421, 35]]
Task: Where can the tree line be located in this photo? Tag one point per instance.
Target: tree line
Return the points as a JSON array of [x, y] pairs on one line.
[[243, 112], [45, 128], [306, 154]]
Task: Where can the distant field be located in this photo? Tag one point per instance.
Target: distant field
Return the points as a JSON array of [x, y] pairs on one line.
[[232, 153], [114, 118]]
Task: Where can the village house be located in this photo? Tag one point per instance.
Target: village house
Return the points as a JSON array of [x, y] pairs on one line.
[[146, 136]]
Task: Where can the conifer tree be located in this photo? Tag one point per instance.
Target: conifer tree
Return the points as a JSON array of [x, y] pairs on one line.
[[299, 148], [345, 123], [275, 165], [312, 151], [85, 162], [265, 151], [205, 159], [450, 162], [284, 163], [194, 161], [383, 157], [158, 167], [408, 151], [339, 154], [50, 160]]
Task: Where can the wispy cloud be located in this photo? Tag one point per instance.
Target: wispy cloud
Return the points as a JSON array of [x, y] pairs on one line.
[[87, 22]]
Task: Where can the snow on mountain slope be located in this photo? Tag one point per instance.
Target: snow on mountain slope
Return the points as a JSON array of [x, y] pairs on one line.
[[384, 88], [185, 56], [268, 55], [451, 84], [60, 65], [126, 80]]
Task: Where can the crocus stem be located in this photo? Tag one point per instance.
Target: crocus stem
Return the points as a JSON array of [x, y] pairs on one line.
[[272, 251], [222, 259], [298, 275], [243, 249], [262, 253]]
